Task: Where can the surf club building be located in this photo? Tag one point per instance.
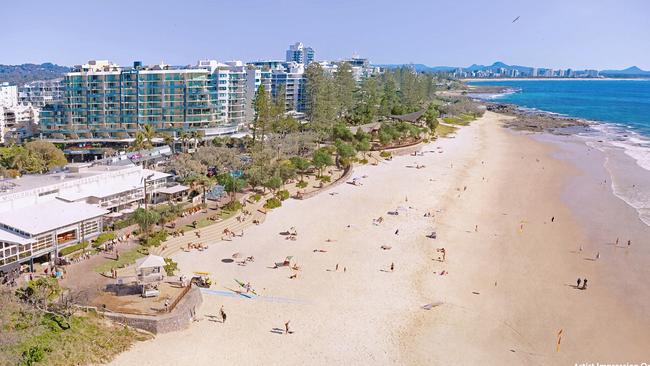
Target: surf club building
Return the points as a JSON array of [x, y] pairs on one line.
[[42, 214]]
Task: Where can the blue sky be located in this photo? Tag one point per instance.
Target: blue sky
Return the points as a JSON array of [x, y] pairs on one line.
[[555, 33]]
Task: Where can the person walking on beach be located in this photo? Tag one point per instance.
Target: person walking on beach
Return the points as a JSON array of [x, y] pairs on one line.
[[397, 232], [616, 241], [392, 266], [598, 255], [579, 281], [337, 267], [286, 327], [476, 228], [223, 314], [584, 284], [553, 219], [629, 242]]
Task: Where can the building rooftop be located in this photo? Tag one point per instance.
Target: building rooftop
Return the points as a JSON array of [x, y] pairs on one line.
[[9, 237], [49, 215], [78, 182], [107, 189]]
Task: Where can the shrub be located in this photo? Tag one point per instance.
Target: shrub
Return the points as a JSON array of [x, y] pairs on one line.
[[272, 203], [256, 197], [232, 206], [325, 179], [73, 248], [33, 355], [301, 184], [282, 195], [121, 224], [170, 266], [154, 239], [385, 154], [103, 238], [363, 161]]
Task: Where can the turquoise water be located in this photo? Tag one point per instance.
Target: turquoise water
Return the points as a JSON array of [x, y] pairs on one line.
[[621, 109], [623, 102]]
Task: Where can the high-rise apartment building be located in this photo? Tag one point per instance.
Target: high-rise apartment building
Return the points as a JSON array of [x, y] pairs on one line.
[[255, 77], [229, 81], [40, 93], [103, 101], [17, 120], [299, 53], [289, 84]]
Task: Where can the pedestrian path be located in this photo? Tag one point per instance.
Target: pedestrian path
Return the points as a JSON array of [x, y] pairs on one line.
[[243, 296]]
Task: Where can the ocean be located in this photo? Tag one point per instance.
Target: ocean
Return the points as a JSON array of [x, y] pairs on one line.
[[620, 112]]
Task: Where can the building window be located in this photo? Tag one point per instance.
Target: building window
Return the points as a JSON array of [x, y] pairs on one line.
[[42, 242], [66, 236]]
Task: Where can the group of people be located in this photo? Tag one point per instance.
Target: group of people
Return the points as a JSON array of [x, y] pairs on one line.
[[191, 211], [229, 234], [198, 246], [214, 218], [244, 215], [245, 261], [10, 277], [224, 316], [291, 234], [443, 252], [177, 233], [583, 282], [629, 242]]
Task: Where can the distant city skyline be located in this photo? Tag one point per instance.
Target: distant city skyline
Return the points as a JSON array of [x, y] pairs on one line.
[[579, 34]]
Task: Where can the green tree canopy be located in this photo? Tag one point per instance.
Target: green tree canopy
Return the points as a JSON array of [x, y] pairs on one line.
[[321, 159], [146, 218]]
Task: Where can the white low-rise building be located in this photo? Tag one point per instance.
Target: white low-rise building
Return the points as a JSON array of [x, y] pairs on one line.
[[41, 214]]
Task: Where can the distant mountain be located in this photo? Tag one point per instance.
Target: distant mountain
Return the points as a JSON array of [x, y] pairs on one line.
[[630, 72], [419, 67], [495, 66], [20, 74]]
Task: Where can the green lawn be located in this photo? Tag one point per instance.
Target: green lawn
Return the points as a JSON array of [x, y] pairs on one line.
[[126, 258], [223, 214], [444, 131], [462, 120]]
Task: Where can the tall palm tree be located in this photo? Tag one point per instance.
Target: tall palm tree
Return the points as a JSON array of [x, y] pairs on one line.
[[138, 142], [185, 138], [169, 141], [149, 133], [196, 136]]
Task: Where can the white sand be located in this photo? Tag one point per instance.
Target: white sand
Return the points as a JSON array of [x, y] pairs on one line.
[[366, 316]]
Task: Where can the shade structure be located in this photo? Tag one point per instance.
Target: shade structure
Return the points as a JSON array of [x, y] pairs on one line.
[[150, 261]]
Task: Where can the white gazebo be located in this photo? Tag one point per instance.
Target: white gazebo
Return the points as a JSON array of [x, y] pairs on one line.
[[150, 269]]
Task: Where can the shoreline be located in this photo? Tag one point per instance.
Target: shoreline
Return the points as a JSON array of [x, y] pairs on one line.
[[536, 79], [527, 274], [370, 315], [609, 137]]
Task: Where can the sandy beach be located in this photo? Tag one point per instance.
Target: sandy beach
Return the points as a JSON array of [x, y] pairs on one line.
[[520, 216]]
